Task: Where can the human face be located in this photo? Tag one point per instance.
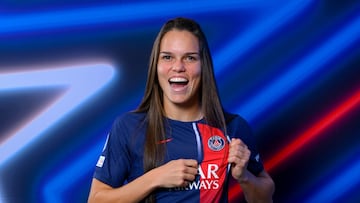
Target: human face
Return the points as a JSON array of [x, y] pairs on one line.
[[179, 69]]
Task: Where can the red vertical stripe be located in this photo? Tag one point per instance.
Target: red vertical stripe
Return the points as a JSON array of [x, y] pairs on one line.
[[211, 159]]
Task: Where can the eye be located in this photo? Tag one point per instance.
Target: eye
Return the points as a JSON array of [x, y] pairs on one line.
[[191, 58], [166, 57]]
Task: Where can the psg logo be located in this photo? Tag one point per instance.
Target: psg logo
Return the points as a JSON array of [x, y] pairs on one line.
[[216, 143]]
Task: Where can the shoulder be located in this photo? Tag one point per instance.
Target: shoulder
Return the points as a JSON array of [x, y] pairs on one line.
[[237, 126], [130, 118], [233, 120], [128, 121]]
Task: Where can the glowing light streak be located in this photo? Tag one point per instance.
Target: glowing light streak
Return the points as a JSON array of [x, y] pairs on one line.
[[70, 25], [255, 34], [58, 19], [54, 188], [340, 184], [314, 131], [307, 67], [81, 82], [240, 45], [293, 78]]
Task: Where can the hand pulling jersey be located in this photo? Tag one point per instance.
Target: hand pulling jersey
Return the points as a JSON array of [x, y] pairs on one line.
[[122, 158]]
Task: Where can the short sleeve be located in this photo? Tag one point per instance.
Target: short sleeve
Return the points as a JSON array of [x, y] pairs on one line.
[[237, 127], [113, 163]]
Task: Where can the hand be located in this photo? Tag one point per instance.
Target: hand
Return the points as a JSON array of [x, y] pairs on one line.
[[239, 155], [176, 173]]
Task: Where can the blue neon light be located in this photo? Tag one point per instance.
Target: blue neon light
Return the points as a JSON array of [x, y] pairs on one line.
[[54, 188], [274, 21], [245, 41], [81, 82], [340, 184], [114, 13], [307, 67]]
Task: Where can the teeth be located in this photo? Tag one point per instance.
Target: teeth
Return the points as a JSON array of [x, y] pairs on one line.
[[178, 80]]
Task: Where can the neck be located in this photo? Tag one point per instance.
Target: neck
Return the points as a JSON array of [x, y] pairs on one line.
[[184, 114]]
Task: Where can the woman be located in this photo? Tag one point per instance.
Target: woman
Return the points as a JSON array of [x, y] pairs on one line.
[[179, 145]]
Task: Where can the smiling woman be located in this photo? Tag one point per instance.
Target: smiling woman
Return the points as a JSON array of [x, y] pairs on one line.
[[284, 66], [179, 145], [179, 74]]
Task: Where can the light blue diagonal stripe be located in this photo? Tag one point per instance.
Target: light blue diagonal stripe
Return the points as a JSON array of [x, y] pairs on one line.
[[303, 70]]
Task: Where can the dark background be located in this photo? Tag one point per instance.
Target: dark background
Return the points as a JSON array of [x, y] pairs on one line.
[[68, 68]]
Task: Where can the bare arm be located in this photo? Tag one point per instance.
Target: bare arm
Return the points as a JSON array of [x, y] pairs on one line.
[[256, 188], [177, 173]]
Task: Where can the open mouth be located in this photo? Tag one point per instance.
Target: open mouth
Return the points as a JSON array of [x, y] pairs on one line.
[[178, 82]]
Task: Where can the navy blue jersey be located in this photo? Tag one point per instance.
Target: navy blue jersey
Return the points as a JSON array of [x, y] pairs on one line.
[[122, 158]]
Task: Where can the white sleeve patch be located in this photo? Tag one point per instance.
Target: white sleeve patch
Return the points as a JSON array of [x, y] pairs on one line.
[[100, 162]]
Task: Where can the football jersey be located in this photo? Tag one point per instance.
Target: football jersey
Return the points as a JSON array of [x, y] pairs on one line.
[[122, 158]]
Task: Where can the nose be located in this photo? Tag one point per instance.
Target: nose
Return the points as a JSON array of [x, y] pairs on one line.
[[178, 66]]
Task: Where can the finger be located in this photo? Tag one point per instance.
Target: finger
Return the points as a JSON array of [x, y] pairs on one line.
[[238, 151], [185, 183], [237, 160], [191, 163], [238, 145], [191, 171], [242, 153], [189, 177], [236, 156], [237, 141]]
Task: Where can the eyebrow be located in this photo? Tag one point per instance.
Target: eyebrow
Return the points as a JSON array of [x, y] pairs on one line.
[[187, 53]]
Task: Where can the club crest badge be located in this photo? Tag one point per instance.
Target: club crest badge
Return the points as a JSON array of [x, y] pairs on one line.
[[216, 143]]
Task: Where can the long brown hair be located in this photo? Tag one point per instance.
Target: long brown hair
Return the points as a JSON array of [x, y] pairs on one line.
[[152, 102]]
